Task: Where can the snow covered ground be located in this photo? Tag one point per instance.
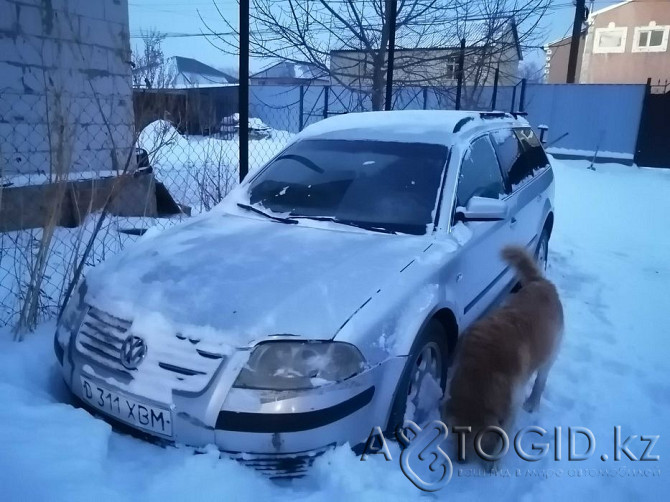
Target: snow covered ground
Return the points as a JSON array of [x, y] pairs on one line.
[[610, 257]]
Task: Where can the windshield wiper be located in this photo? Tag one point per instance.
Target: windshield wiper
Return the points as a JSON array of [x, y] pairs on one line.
[[351, 223], [263, 213]]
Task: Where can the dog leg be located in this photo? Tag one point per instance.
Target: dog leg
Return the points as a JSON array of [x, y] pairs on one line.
[[533, 401]]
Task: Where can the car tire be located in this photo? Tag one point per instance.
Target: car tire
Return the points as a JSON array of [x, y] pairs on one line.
[[542, 250], [431, 340]]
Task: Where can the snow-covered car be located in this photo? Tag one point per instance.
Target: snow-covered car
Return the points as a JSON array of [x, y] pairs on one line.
[[323, 296], [230, 127]]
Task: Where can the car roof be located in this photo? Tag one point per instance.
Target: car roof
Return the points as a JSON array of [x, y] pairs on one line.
[[443, 127]]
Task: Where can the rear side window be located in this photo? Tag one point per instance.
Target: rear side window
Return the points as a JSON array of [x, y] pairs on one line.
[[520, 154], [533, 153], [480, 173]]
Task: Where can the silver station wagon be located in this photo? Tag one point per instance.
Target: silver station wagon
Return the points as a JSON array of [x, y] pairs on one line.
[[325, 294]]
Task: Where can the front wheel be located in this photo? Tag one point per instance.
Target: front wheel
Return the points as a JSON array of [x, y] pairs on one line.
[[423, 380]]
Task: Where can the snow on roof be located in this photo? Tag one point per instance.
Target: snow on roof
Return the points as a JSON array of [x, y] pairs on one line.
[[411, 126], [287, 69]]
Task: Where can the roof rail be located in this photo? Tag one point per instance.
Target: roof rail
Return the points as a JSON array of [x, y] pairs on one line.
[[493, 115], [459, 125]]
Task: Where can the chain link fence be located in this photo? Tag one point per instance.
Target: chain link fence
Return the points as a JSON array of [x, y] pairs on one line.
[[75, 191]]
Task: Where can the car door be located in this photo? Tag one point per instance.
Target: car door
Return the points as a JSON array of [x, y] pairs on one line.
[[520, 155], [480, 272]]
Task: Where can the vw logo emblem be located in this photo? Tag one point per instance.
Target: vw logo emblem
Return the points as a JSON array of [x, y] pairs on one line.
[[133, 352]]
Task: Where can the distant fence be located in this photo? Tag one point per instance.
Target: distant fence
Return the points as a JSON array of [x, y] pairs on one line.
[[602, 118], [582, 119], [192, 159]]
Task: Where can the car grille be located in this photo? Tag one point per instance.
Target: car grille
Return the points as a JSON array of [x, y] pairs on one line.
[[278, 465], [178, 363]]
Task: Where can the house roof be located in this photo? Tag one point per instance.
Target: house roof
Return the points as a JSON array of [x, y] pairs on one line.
[[193, 66], [569, 37], [288, 69], [180, 73], [609, 7]]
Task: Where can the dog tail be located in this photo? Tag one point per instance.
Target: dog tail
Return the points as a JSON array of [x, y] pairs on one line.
[[523, 263]]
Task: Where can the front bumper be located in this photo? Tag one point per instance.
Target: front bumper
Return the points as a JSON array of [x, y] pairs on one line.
[[259, 427]]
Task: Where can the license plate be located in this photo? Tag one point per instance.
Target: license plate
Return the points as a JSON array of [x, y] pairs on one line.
[[127, 410]]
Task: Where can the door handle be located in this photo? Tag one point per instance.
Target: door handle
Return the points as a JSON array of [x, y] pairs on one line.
[[512, 221]]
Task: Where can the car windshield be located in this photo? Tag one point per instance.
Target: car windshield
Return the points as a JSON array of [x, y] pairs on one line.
[[385, 186]]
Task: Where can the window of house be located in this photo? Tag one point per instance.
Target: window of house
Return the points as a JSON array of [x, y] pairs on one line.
[[610, 40], [451, 65], [480, 173], [651, 38]]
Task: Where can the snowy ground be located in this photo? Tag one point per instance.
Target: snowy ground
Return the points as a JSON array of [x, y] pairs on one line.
[[610, 257]]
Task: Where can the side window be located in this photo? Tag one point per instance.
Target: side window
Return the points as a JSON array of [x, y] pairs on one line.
[[520, 153], [480, 173], [510, 152], [533, 153]]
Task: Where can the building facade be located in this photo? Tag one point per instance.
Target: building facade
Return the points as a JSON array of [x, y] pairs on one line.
[[626, 43], [486, 50], [66, 100]]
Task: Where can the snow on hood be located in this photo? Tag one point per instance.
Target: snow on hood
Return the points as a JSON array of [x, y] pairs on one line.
[[244, 278]]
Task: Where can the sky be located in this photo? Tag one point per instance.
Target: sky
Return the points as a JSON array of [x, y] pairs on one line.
[[179, 17]]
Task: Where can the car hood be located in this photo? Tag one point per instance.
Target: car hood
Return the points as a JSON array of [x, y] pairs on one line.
[[249, 278]]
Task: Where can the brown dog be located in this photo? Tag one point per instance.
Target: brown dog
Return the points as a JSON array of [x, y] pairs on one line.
[[500, 352]]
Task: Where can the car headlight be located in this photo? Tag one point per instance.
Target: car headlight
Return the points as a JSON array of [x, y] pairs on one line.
[[291, 365]]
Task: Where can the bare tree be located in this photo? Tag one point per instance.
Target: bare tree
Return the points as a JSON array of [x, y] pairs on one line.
[[358, 30], [151, 69]]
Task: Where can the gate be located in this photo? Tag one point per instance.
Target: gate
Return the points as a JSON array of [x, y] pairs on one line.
[[653, 145]]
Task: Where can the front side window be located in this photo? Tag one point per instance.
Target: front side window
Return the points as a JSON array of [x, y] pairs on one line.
[[610, 39], [651, 38], [480, 173], [376, 184]]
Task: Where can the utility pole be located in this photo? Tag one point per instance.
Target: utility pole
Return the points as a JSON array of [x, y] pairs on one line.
[[391, 14], [243, 96], [461, 72], [580, 17]]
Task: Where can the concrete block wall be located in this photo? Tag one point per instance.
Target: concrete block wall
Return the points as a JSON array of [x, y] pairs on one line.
[[65, 86]]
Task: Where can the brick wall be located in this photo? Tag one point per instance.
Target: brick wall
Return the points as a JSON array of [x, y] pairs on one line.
[[65, 86]]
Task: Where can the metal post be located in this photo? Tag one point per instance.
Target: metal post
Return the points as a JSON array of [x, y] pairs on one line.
[[511, 108], [425, 98], [522, 96], [326, 91], [461, 64], [494, 99], [301, 123], [244, 89], [391, 13], [580, 14]]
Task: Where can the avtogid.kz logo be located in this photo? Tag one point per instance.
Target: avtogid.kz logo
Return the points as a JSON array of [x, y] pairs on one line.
[[426, 464], [422, 459]]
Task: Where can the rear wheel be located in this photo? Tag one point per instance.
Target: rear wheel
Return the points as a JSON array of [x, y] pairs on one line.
[[423, 380], [542, 250]]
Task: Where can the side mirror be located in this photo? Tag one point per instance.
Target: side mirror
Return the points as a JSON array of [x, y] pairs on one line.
[[483, 209]]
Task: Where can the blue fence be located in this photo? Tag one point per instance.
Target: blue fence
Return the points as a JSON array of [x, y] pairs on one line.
[[603, 118]]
